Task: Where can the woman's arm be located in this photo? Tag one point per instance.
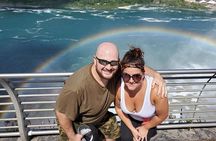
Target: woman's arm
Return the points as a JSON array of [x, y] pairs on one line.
[[158, 80], [162, 109], [123, 116]]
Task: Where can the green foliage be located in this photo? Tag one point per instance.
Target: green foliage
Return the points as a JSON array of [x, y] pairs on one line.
[[105, 4], [181, 4], [173, 2]]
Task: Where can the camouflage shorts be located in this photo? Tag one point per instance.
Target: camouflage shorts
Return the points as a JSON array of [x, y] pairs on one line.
[[109, 129]]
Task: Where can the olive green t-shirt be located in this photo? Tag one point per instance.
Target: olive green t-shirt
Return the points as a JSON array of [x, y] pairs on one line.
[[83, 99]]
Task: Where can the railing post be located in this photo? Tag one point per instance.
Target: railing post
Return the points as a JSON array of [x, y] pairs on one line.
[[202, 91], [19, 110]]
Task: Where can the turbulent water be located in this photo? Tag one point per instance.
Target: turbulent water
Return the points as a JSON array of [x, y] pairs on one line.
[[56, 40]]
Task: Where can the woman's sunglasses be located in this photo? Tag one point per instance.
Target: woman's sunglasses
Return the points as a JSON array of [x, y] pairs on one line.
[[136, 77], [105, 62]]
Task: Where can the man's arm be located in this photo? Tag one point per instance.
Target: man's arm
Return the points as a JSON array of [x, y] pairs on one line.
[[66, 124], [158, 80]]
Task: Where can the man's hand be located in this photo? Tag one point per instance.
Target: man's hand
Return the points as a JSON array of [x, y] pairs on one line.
[[158, 80], [76, 137]]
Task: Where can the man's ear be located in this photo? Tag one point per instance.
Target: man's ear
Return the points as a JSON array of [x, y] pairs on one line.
[[94, 60]]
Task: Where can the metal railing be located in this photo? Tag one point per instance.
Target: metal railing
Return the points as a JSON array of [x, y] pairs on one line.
[[27, 101]]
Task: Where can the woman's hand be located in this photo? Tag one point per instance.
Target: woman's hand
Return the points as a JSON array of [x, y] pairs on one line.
[[136, 135], [143, 132]]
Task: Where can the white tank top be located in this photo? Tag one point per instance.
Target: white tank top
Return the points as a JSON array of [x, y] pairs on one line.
[[147, 110]]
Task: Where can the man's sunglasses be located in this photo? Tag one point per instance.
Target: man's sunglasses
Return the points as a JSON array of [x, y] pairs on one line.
[[136, 77], [105, 62]]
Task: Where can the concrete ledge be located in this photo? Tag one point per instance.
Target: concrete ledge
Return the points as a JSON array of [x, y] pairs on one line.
[[195, 134]]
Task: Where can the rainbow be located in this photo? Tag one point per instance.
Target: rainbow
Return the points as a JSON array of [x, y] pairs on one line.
[[138, 29]]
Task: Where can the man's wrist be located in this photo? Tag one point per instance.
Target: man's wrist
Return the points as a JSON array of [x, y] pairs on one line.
[[71, 135]]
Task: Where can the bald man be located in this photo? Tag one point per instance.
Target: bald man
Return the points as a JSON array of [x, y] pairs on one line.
[[87, 96]]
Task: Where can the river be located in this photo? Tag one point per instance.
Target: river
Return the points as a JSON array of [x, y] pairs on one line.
[[63, 40]]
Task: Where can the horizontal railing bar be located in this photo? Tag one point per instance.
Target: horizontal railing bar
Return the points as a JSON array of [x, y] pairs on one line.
[[58, 88], [38, 81], [4, 96], [33, 118], [6, 103], [170, 91], [42, 132], [2, 89], [188, 74], [42, 125], [38, 110], [52, 88], [39, 88], [8, 119], [7, 111], [186, 125], [185, 77], [190, 104], [38, 102], [204, 111], [9, 134], [189, 83], [204, 118], [9, 127], [161, 126], [187, 71], [170, 97], [62, 82], [37, 95], [163, 72], [52, 109], [24, 75], [168, 83], [191, 90], [180, 120], [192, 118], [177, 97], [189, 97]]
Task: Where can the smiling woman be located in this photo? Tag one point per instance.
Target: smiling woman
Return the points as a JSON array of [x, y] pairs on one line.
[[136, 102]]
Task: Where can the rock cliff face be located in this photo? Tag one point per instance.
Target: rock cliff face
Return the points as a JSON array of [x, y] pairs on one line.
[[196, 134]]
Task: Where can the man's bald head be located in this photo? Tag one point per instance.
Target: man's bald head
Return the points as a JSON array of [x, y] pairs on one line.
[[106, 62], [107, 51]]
